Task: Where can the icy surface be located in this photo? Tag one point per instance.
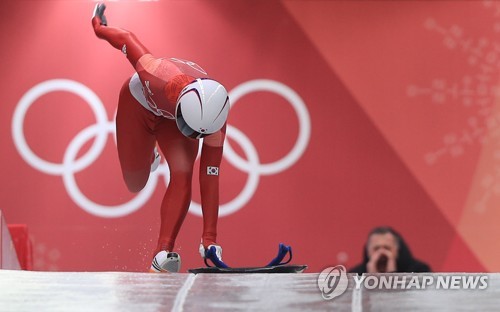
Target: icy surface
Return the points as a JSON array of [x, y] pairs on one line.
[[144, 292]]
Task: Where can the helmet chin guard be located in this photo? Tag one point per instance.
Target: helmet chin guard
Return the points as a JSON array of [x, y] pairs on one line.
[[202, 108]]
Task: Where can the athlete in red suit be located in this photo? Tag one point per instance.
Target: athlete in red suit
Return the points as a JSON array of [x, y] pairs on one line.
[[146, 115]]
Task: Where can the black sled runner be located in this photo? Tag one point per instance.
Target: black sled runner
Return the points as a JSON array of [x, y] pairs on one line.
[[277, 265]]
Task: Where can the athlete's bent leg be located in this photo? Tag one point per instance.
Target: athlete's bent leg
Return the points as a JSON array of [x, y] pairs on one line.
[[135, 139]]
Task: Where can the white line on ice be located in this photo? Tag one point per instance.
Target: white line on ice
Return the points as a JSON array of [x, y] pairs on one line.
[[180, 299]]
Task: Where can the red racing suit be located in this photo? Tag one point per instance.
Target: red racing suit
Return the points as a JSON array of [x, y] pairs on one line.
[[145, 117]]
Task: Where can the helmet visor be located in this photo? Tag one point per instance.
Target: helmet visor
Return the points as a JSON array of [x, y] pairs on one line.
[[184, 128]]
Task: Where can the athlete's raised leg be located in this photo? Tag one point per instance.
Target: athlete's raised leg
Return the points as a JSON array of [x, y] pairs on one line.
[[119, 38]]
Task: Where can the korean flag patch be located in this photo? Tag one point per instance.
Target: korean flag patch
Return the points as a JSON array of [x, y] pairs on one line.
[[213, 171]]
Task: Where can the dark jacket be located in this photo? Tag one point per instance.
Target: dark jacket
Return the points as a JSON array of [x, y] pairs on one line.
[[405, 262]]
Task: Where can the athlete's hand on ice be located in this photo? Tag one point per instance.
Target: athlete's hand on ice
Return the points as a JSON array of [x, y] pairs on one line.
[[99, 18]]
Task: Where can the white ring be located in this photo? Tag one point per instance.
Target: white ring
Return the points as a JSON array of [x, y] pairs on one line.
[[103, 127], [302, 114], [30, 97]]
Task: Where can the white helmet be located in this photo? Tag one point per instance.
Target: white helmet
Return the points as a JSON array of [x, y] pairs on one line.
[[202, 108]]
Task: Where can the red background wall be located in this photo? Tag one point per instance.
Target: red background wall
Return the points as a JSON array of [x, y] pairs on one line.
[[401, 98]]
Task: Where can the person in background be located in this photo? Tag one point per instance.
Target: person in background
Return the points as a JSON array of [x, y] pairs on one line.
[[385, 251]]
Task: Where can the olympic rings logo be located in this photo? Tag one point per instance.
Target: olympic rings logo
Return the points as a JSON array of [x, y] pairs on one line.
[[103, 127]]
